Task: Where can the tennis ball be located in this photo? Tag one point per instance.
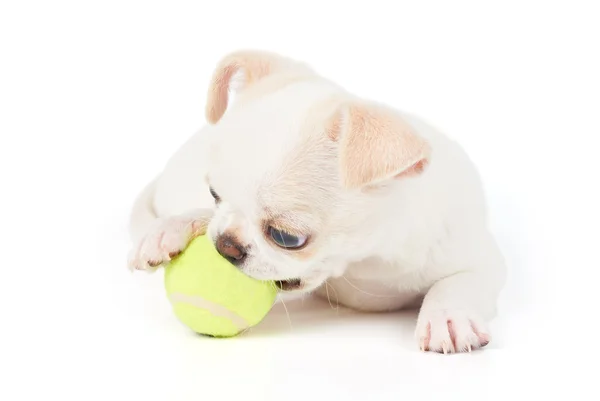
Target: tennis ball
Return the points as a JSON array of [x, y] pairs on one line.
[[213, 297]]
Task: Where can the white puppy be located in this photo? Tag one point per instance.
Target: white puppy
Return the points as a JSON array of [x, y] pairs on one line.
[[317, 188]]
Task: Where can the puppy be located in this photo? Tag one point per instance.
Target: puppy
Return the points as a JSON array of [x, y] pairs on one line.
[[301, 182]]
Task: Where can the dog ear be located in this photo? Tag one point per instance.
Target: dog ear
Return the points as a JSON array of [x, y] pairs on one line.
[[250, 67], [376, 145]]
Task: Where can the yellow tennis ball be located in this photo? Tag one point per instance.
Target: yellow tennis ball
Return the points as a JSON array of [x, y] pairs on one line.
[[213, 297]]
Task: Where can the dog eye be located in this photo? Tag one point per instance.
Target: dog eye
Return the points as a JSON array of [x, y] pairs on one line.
[[285, 240], [214, 195]]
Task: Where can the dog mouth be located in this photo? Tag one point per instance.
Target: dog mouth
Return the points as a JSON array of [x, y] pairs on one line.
[[289, 285]]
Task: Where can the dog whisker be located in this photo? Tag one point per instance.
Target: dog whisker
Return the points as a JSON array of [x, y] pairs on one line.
[[327, 285], [284, 306], [287, 313]]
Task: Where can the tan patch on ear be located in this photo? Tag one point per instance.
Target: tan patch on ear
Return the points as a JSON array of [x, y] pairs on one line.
[[334, 127], [254, 68], [254, 65], [414, 170], [377, 144]]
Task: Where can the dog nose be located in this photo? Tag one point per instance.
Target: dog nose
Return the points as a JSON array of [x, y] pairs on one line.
[[230, 249]]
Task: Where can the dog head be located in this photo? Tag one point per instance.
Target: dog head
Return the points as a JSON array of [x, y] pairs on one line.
[[300, 170]]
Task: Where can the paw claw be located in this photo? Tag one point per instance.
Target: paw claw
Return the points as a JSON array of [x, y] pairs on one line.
[[174, 254], [450, 331]]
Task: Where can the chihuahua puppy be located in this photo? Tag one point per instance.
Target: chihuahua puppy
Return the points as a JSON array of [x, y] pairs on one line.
[[301, 182]]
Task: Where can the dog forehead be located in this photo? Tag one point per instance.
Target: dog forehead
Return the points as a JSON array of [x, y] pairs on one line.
[[257, 138]]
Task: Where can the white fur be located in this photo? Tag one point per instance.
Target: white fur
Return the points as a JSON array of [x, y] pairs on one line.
[[409, 240]]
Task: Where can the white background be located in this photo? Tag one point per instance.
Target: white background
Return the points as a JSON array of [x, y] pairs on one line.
[[96, 95]]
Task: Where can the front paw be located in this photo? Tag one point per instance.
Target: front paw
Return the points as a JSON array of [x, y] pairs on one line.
[[164, 241], [450, 331]]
